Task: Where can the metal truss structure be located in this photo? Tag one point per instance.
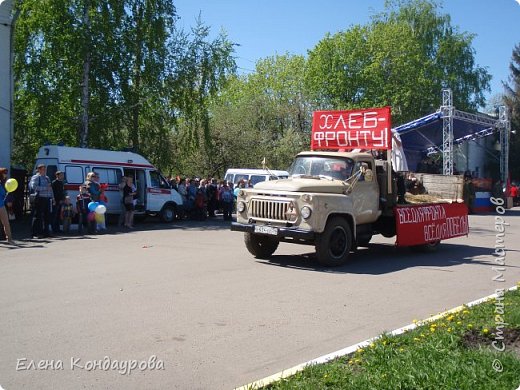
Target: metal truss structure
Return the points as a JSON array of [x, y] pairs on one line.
[[471, 137], [505, 128], [449, 113], [447, 131]]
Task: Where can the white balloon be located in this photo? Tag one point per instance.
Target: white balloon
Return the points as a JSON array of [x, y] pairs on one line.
[[101, 209]]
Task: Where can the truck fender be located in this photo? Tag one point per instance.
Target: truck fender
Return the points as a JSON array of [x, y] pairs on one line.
[[349, 218]]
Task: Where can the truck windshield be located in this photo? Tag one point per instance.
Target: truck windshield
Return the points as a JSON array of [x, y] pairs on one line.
[[336, 168]]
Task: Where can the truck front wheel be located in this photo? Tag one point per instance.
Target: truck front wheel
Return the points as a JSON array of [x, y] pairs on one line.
[[334, 244], [262, 247]]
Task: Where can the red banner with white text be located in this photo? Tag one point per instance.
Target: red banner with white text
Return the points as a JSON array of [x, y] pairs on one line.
[[422, 224], [367, 128]]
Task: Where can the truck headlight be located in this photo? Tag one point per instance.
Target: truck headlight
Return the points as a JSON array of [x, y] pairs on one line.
[[241, 207], [306, 212]]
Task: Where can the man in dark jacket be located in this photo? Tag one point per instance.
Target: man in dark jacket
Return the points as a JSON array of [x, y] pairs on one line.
[[40, 187], [468, 192], [58, 189]]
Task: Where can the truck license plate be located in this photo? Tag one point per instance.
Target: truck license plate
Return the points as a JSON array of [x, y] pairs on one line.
[[272, 231]]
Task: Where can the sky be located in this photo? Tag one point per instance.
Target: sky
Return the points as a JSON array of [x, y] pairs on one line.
[[264, 28]]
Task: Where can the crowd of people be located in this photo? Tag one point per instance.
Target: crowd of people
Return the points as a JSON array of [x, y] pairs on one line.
[[53, 211], [52, 208], [203, 198], [511, 190]]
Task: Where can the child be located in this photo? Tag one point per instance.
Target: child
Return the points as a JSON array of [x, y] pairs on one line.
[[9, 206], [100, 218], [4, 218], [82, 201], [67, 212]]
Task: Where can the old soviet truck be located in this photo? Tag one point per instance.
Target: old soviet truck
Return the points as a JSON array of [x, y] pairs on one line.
[[337, 201]]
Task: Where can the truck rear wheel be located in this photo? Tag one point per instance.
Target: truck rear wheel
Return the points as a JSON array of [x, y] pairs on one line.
[[426, 248], [262, 247], [334, 244]]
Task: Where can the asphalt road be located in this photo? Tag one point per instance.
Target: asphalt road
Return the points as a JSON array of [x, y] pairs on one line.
[[191, 295]]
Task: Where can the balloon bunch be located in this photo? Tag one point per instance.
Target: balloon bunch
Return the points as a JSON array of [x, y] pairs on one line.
[[97, 209]]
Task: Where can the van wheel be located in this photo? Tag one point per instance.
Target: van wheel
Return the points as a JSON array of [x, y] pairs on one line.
[[262, 247], [333, 246], [168, 214]]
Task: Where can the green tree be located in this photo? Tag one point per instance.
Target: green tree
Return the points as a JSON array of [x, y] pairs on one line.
[[512, 100], [205, 67], [402, 58], [44, 105], [264, 114], [335, 70], [113, 74], [449, 55], [66, 61], [147, 27]]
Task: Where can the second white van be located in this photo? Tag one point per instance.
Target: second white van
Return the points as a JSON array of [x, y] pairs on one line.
[[235, 175]]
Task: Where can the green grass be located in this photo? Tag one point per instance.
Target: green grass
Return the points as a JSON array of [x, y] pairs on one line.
[[432, 356]]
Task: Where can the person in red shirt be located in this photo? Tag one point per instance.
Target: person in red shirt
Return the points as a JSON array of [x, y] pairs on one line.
[[514, 194]]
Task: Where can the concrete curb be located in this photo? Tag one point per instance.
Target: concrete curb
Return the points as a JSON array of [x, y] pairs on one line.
[[353, 348]]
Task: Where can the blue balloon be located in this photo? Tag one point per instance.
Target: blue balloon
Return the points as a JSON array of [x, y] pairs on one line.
[[92, 206]]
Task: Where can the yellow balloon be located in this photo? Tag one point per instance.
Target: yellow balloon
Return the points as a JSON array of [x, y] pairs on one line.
[[11, 185], [100, 218]]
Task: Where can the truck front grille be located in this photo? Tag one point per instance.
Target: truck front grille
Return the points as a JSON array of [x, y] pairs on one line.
[[269, 209]]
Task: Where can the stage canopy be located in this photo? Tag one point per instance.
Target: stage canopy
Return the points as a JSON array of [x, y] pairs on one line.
[[425, 135]]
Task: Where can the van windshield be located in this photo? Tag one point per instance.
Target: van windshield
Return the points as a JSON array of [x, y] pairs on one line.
[[334, 167], [157, 181], [257, 179]]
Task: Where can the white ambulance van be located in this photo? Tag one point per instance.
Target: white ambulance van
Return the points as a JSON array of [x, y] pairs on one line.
[[154, 194]]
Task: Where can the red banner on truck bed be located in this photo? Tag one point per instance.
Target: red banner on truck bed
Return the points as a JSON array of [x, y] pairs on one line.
[[367, 128], [421, 224]]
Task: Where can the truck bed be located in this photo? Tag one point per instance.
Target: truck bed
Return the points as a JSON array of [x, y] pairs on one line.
[[442, 186]]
